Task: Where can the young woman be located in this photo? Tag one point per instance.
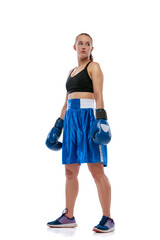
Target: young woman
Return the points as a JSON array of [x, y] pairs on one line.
[[86, 133]]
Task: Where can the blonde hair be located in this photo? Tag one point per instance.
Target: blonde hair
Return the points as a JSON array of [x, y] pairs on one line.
[[86, 34]]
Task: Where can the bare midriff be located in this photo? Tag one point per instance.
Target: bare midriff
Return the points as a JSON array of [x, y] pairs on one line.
[[88, 95]]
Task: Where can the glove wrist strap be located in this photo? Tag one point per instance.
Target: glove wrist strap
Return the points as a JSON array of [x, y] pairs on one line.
[[101, 114], [59, 123]]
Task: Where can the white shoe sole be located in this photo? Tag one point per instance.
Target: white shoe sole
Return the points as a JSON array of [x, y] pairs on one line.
[[69, 225], [104, 231]]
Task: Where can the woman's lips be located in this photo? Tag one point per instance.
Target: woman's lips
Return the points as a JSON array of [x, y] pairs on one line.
[[83, 52]]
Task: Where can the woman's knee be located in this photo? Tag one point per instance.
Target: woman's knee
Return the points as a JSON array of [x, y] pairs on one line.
[[72, 170], [96, 169]]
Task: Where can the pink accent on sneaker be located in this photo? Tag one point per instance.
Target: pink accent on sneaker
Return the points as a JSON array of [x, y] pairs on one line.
[[65, 220]]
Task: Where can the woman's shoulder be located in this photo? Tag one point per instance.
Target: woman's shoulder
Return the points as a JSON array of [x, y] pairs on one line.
[[94, 66]]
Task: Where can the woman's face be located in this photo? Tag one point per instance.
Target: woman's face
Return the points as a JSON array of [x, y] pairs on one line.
[[83, 46]]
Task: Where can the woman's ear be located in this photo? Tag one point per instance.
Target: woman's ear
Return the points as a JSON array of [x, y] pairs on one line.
[[74, 47]]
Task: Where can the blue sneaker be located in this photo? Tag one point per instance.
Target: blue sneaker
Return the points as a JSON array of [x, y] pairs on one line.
[[105, 225], [63, 221]]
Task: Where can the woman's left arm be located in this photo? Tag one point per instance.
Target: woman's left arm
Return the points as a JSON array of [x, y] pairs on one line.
[[97, 80], [100, 130]]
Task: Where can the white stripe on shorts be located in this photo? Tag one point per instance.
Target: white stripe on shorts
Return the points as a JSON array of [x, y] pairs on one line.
[[101, 155]]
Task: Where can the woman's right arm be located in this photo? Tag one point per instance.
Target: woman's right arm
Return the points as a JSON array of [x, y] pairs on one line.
[[65, 104], [64, 107]]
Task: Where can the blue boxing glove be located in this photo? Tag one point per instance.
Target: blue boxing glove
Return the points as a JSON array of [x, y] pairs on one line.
[[100, 130], [53, 136]]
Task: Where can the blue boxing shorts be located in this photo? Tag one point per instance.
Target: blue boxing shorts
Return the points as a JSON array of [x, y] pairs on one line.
[[77, 145]]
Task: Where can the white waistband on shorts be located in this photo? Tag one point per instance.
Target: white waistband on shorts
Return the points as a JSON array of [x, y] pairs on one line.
[[81, 103], [87, 103]]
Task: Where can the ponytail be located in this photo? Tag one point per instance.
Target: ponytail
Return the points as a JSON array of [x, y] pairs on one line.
[[91, 57]]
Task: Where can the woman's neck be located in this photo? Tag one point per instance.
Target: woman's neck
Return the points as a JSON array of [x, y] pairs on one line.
[[82, 62]]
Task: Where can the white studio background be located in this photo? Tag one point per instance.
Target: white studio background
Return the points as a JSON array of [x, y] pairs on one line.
[[36, 54]]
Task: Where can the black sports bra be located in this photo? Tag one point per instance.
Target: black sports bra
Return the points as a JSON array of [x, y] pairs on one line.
[[81, 82]]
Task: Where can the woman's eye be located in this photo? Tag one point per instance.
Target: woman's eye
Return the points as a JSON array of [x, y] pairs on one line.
[[82, 43]]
